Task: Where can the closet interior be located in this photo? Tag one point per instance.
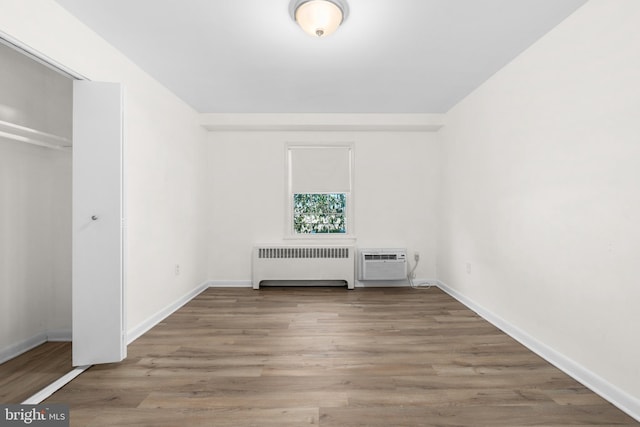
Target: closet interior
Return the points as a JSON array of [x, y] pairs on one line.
[[35, 203]]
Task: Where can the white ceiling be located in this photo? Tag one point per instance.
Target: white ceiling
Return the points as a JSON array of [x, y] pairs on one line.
[[390, 56]]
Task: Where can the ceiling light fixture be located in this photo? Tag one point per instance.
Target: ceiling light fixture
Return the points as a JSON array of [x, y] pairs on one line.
[[319, 17]]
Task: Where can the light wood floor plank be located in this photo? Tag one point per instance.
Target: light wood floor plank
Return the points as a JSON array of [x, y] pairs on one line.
[[330, 357], [27, 374]]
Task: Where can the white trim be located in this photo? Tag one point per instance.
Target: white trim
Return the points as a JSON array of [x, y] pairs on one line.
[[321, 239], [358, 283], [59, 335], [55, 386], [14, 350], [223, 122], [152, 321], [230, 283], [382, 284], [23, 346], [403, 283], [623, 400], [38, 56]]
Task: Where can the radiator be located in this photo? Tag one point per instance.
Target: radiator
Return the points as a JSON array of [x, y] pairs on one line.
[[303, 263]]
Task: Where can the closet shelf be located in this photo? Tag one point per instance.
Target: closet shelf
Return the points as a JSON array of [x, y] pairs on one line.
[[33, 136]]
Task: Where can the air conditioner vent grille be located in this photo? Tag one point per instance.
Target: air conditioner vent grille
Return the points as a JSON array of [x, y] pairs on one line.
[[380, 257]]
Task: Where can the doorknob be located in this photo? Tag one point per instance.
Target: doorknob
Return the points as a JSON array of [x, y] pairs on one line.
[[94, 217]]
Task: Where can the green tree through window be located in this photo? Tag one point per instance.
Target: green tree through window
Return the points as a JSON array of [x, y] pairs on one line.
[[319, 213]]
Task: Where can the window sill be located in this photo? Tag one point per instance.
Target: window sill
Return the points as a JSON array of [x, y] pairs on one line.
[[321, 238]]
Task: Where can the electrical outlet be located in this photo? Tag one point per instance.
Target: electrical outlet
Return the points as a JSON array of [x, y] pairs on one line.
[[177, 269], [468, 268], [416, 256]]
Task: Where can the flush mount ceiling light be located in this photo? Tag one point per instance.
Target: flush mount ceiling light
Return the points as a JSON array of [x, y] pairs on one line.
[[319, 17]]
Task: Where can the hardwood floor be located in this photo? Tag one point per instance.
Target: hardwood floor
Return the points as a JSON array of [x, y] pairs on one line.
[[330, 357], [27, 374]]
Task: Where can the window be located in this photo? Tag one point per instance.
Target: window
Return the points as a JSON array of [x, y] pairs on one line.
[[319, 213], [319, 190]]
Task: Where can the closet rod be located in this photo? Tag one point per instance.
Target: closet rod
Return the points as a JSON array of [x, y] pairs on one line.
[[33, 136]]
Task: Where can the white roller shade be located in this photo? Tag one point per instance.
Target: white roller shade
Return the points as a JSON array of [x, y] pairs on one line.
[[320, 169]]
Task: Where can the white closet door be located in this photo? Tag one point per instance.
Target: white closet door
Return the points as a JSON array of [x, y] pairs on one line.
[[98, 270]]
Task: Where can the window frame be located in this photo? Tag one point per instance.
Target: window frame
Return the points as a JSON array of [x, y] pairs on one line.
[[290, 233]]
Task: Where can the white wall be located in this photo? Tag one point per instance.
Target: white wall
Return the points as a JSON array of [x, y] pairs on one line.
[[35, 259], [541, 194], [59, 299], [164, 157], [395, 175]]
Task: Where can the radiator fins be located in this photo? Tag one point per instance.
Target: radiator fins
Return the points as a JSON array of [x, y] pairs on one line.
[[311, 252]]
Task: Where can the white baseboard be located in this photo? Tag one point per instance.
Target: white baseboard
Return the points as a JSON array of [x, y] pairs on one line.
[[589, 379], [152, 321], [358, 284], [395, 283], [15, 350], [59, 335], [381, 284], [23, 346], [230, 283]]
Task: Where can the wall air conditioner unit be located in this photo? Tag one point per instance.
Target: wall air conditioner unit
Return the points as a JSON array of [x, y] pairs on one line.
[[382, 264]]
